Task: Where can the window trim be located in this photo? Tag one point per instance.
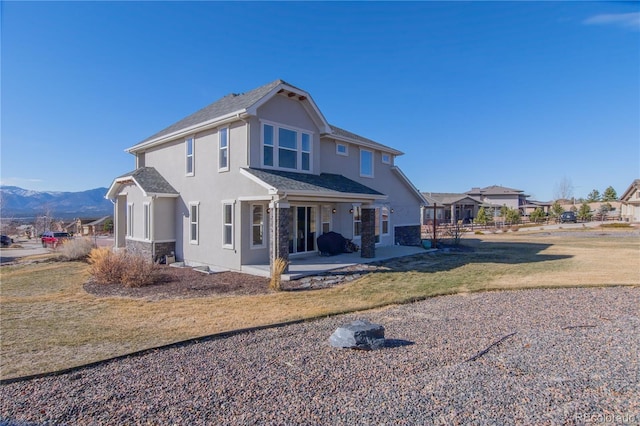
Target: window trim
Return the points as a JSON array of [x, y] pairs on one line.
[[329, 209], [276, 147], [192, 156], [146, 221], [262, 226], [362, 150], [226, 203], [195, 204], [226, 148], [388, 160], [346, 149]]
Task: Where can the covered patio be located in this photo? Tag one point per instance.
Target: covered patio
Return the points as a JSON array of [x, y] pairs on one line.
[[302, 266]]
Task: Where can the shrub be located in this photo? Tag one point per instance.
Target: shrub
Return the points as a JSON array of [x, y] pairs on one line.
[[128, 269], [515, 228], [279, 266], [478, 232], [76, 249]]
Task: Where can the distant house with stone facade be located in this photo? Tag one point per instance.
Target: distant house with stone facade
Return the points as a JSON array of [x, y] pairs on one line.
[[257, 176], [452, 207]]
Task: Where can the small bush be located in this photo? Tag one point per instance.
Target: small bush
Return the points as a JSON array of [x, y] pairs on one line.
[[76, 249], [478, 232], [128, 269], [515, 228], [279, 266]]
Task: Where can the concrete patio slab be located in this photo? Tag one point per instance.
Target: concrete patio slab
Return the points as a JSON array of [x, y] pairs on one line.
[[302, 266]]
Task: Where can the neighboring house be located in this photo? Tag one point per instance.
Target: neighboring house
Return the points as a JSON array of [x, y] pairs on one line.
[[257, 176], [498, 196], [450, 207], [630, 202], [86, 226], [532, 205]]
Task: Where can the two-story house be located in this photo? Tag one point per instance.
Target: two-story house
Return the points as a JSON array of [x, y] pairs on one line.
[[261, 175]]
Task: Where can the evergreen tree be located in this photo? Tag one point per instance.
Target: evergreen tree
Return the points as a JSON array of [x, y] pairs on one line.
[[556, 210], [483, 217], [593, 196], [610, 194], [585, 212], [537, 215]]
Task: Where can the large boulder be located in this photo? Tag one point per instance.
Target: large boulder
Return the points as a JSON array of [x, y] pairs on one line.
[[359, 334]]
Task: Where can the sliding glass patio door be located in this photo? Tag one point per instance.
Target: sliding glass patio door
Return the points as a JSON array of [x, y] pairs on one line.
[[303, 229]]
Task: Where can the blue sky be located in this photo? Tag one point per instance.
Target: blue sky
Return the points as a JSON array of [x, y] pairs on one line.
[[521, 94]]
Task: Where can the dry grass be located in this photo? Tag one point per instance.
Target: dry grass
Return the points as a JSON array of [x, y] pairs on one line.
[[279, 266], [48, 322]]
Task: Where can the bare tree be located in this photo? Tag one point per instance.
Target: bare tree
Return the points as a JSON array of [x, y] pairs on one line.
[[563, 189]]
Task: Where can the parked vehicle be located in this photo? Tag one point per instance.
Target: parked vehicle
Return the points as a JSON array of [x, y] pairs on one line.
[[5, 241], [568, 217], [52, 239]]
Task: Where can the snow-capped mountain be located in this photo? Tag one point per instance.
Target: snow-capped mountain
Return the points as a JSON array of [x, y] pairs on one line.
[[20, 202]]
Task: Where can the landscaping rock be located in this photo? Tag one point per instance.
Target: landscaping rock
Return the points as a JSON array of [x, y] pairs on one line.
[[359, 334]]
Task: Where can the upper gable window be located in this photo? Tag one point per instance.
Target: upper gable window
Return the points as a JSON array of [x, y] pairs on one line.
[[189, 152], [223, 150], [386, 158], [286, 148], [342, 149], [366, 163]]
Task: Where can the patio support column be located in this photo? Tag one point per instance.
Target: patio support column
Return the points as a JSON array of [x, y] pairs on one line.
[[368, 249], [453, 214], [279, 232]]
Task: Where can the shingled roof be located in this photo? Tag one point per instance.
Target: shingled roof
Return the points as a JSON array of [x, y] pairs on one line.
[[326, 184], [241, 102], [147, 179]]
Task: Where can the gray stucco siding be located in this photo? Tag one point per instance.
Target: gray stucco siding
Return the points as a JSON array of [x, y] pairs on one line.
[[401, 197]]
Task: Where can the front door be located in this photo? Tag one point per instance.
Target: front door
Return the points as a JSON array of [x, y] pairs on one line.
[[302, 229]]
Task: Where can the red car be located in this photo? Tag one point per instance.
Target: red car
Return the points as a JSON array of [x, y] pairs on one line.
[[52, 239]]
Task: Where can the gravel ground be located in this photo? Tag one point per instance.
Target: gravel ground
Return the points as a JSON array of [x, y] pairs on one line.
[[567, 356]]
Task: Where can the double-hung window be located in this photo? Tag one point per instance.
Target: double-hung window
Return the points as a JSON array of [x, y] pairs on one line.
[[366, 163], [385, 220], [190, 157], [147, 221], [325, 218], [223, 149], [194, 222], [286, 148], [357, 221], [227, 224], [257, 226], [130, 220]]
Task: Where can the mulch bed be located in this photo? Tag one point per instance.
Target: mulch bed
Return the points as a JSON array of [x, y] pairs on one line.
[[182, 283]]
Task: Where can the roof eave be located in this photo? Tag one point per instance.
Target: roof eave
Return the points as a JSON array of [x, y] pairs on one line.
[[378, 147], [205, 125]]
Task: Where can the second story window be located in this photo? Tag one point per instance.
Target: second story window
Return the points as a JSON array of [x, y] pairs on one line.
[[341, 149], [223, 150], [366, 163], [286, 148], [189, 156], [386, 158]]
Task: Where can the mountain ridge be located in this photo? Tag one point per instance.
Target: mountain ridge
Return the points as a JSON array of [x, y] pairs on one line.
[[19, 202]]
